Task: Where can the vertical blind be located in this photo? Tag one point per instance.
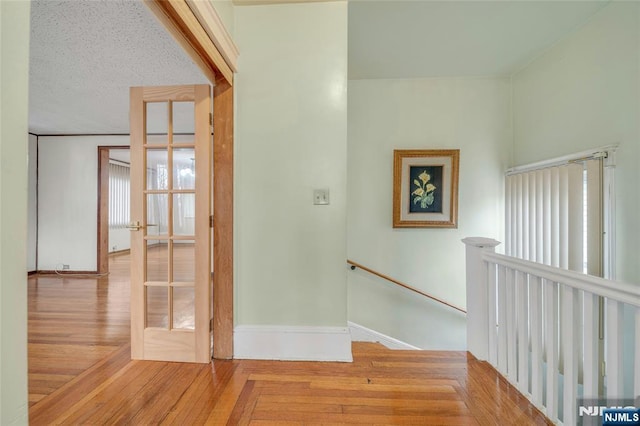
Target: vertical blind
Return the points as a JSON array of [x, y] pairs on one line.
[[157, 204], [119, 195], [554, 215]]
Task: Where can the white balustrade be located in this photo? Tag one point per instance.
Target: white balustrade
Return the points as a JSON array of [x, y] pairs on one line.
[[539, 326]]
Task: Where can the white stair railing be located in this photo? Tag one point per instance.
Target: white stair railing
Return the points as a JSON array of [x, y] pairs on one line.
[[518, 312]]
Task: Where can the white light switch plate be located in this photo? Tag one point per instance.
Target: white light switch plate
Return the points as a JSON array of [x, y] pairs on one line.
[[321, 197]]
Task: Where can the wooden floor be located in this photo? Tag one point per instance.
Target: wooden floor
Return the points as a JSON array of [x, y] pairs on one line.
[[80, 372]]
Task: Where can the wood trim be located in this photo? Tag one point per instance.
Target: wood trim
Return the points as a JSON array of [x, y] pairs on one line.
[[180, 21], [66, 272], [202, 228], [223, 219], [37, 248], [103, 208], [102, 262], [215, 28], [401, 284], [137, 127]]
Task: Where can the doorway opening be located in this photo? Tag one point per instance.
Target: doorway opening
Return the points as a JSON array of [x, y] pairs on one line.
[[113, 204]]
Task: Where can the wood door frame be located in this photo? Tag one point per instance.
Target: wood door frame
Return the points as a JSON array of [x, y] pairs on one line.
[[102, 251], [194, 34]]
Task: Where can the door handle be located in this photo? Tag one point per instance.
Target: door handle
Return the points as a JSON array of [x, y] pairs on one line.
[[135, 226]]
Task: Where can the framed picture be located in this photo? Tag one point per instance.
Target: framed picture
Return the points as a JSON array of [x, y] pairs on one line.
[[425, 188]]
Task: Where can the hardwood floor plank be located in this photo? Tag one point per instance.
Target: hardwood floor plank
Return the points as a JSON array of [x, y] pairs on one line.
[[306, 407], [361, 418], [243, 409], [100, 403], [226, 404], [66, 396], [449, 409], [198, 401], [159, 395], [316, 393], [420, 365], [357, 401], [376, 388]]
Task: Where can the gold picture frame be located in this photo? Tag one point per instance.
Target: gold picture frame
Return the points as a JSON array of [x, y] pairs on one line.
[[425, 188]]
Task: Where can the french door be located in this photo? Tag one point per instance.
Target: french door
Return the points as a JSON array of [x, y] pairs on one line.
[[170, 228]]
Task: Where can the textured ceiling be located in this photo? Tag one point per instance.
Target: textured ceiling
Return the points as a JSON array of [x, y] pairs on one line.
[[413, 39], [85, 55]]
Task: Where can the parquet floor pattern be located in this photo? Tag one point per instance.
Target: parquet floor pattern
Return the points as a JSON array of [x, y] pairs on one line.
[[80, 372]]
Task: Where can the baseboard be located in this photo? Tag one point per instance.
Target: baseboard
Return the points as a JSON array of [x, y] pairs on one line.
[[66, 272], [292, 343], [360, 333], [120, 252]]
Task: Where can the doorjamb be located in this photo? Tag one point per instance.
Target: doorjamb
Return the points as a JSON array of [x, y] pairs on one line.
[[102, 262]]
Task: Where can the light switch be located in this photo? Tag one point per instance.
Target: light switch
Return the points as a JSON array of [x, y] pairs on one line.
[[321, 197]]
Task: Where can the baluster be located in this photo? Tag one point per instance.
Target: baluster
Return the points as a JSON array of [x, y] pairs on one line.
[[551, 332], [492, 313], [523, 335], [535, 319], [614, 348], [591, 340], [512, 367], [526, 224], [502, 320], [570, 353], [509, 214]]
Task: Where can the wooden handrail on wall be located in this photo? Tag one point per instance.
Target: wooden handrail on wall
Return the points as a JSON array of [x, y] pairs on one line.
[[355, 265]]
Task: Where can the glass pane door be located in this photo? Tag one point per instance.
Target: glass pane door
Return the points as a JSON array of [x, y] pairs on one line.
[[171, 244]]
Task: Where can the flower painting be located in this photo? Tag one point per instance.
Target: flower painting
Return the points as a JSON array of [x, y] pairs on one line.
[[426, 189]]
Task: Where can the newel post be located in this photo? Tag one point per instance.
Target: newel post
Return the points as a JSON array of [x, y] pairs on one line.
[[477, 290]]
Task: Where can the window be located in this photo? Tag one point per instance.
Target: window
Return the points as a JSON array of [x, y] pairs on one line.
[[119, 195], [555, 213]]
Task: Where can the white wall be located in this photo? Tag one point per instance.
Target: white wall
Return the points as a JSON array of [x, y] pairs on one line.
[[472, 115], [119, 239], [32, 205], [291, 137], [67, 200], [584, 93], [14, 87]]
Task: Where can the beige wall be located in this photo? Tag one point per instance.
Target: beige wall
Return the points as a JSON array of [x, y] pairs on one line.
[[226, 12], [14, 85], [291, 137], [470, 114]]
